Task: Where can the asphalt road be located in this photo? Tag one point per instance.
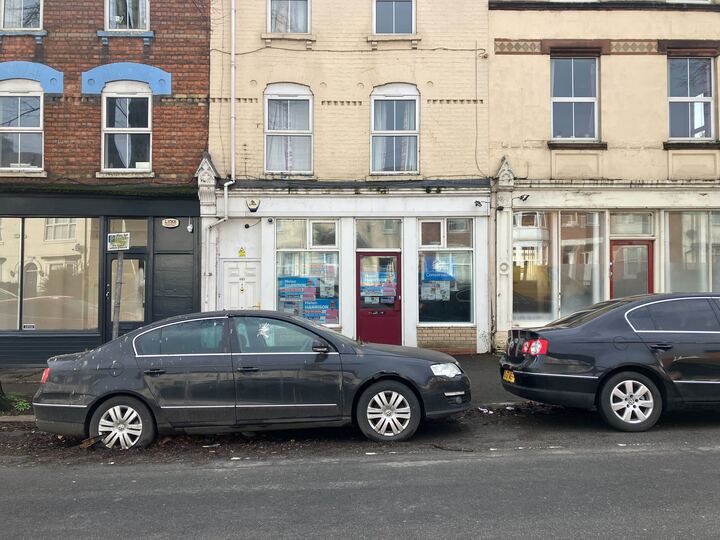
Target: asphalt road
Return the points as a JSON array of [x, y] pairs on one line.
[[546, 474]]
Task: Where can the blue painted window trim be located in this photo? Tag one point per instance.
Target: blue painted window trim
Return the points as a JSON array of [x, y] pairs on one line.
[[39, 35], [51, 80], [105, 35], [94, 80]]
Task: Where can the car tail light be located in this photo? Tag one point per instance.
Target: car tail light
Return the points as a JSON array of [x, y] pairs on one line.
[[525, 347], [45, 375], [536, 347]]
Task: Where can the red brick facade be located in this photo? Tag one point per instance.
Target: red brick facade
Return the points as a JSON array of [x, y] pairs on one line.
[[181, 46]]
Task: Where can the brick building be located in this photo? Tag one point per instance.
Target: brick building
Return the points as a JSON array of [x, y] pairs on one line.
[[103, 122], [355, 143]]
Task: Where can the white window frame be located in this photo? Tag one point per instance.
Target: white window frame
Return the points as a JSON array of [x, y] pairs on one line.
[[395, 92], [710, 99], [269, 20], [22, 88], [309, 227], [20, 29], [374, 21], [51, 224], [595, 100], [289, 92], [126, 89], [125, 30]]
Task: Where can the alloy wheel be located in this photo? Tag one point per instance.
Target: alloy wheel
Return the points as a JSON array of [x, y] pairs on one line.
[[632, 401], [388, 413], [120, 426]]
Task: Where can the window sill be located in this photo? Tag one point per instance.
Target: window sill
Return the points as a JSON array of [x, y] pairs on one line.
[[125, 174], [446, 325], [689, 145], [22, 174], [105, 35], [580, 145], [413, 39], [309, 39], [39, 35]]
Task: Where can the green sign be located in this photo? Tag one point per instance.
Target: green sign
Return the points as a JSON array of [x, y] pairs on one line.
[[118, 241]]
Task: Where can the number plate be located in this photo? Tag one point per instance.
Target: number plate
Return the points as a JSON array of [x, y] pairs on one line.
[[508, 376]]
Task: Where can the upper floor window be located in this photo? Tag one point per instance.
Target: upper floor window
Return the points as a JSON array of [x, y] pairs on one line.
[[127, 15], [21, 125], [127, 126], [60, 228], [288, 129], [394, 17], [395, 130], [289, 16], [574, 98], [21, 14], [690, 91]]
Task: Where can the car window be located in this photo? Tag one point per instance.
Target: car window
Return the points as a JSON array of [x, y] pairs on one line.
[[581, 317], [640, 319], [191, 337], [686, 315], [263, 335]]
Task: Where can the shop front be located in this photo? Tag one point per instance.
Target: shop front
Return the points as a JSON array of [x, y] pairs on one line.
[[60, 291], [403, 265]]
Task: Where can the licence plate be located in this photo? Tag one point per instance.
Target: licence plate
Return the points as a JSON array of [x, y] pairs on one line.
[[508, 376]]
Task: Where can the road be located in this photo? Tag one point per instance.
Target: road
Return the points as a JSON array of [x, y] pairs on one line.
[[537, 474]]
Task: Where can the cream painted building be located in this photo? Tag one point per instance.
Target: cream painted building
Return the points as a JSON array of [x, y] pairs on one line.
[[347, 179], [604, 142]]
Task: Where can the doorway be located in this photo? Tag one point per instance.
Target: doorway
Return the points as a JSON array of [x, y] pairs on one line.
[[631, 267], [133, 293], [241, 285], [379, 303]]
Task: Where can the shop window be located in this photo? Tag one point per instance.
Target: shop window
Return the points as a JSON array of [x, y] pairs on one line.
[[10, 245], [60, 279], [127, 127], [21, 126], [574, 98], [127, 15], [378, 233], [631, 224], [288, 129], [446, 272], [690, 96], [581, 267], [289, 16], [395, 130], [308, 278], [687, 247], [534, 266], [21, 14], [394, 16]]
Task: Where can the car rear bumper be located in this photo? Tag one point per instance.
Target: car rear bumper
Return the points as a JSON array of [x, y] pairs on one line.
[[60, 419], [555, 389]]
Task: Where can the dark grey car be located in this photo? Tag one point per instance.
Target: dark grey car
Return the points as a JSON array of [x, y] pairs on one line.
[[226, 371]]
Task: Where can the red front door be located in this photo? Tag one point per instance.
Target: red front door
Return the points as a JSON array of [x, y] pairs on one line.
[[379, 314], [631, 267]]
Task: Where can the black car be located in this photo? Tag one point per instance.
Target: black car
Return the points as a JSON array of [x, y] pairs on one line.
[[631, 358], [227, 371]]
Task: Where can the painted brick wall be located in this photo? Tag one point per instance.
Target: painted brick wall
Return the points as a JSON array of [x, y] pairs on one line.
[[451, 338], [73, 121]]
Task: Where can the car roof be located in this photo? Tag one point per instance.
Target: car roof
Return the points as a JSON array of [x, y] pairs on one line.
[[224, 313]]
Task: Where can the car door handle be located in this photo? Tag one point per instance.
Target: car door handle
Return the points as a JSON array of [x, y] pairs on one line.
[[248, 369], [154, 372], [661, 346]]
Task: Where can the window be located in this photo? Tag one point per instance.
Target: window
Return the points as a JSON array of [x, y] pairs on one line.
[[262, 335], [21, 14], [289, 16], [692, 252], [60, 229], [21, 126], [127, 15], [193, 337], [288, 129], [690, 91], [9, 275], [446, 272], [378, 233], [394, 17], [308, 278], [686, 315], [631, 224], [574, 98], [395, 131], [127, 127]]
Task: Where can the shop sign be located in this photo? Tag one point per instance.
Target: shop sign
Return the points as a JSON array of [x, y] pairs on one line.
[[170, 223], [118, 241]]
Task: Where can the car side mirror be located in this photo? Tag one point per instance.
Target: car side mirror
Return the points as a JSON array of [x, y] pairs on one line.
[[320, 347]]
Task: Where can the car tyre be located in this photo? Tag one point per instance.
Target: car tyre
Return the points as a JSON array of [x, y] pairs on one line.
[[123, 423], [388, 411], [630, 401]]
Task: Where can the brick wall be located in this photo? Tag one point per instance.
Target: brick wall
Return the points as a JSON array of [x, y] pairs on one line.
[[73, 121], [448, 338]]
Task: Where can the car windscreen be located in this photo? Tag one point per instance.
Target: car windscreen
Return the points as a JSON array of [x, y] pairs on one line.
[[584, 316]]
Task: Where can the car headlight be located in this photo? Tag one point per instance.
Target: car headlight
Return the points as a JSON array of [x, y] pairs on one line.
[[445, 370]]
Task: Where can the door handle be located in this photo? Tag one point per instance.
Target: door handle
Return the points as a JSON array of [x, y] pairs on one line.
[[661, 346], [248, 369], [154, 372]]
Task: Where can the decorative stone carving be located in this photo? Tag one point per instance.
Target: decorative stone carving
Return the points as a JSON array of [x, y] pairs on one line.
[[207, 176], [505, 176]]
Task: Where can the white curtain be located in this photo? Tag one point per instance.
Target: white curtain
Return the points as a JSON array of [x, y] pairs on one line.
[[394, 153], [128, 14], [289, 16], [288, 153]]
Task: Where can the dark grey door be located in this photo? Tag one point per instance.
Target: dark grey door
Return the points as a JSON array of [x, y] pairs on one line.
[[188, 368], [279, 376]]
